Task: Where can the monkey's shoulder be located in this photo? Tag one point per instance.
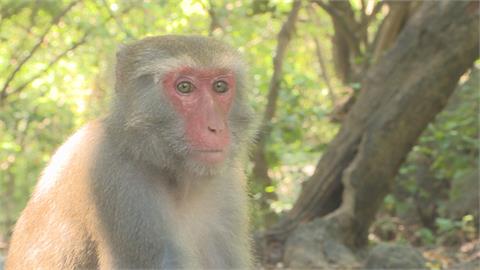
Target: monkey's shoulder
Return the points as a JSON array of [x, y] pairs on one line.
[[57, 206], [72, 160]]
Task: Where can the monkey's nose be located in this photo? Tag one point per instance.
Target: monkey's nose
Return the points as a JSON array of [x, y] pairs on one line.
[[213, 129], [216, 128]]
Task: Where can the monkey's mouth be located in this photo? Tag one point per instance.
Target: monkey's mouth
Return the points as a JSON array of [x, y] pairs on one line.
[[210, 156]]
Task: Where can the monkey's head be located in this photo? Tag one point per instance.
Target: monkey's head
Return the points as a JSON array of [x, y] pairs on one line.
[[181, 100]]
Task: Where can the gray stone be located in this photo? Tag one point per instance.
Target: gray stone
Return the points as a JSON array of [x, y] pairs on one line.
[[395, 256], [315, 245], [470, 265], [464, 197]]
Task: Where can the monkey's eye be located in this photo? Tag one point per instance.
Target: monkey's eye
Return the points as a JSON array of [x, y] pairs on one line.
[[184, 87], [220, 86]]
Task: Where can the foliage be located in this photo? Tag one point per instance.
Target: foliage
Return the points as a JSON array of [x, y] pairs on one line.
[[59, 56], [445, 155], [56, 74]]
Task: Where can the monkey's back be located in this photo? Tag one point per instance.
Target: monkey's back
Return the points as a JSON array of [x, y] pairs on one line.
[[51, 232]]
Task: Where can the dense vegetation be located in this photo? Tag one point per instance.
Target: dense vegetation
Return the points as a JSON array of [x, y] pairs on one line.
[[56, 62]]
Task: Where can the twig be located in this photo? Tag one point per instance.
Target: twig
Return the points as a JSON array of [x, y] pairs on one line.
[[321, 61], [284, 37], [117, 20], [347, 32], [214, 20], [55, 20], [366, 22], [7, 12], [60, 56], [51, 63], [324, 73]]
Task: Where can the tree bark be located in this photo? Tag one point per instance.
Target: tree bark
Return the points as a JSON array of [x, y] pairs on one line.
[[400, 95], [391, 27], [345, 43]]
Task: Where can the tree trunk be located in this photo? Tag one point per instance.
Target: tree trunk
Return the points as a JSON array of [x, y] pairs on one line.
[[391, 27], [400, 95]]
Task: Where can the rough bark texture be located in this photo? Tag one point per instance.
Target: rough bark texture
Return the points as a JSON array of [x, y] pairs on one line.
[[399, 97], [346, 44], [391, 27]]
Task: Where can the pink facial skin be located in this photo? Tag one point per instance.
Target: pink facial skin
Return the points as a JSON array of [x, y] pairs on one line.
[[204, 110]]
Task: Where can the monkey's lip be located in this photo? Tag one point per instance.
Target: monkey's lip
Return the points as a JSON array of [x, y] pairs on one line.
[[210, 155], [209, 150]]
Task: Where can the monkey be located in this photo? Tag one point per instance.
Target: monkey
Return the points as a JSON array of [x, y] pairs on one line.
[[158, 183]]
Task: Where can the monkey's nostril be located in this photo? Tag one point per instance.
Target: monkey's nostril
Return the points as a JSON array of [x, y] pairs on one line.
[[214, 130]]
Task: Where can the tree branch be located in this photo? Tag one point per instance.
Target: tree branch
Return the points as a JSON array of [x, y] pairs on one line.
[[376, 9], [323, 71], [117, 20], [402, 92], [390, 28], [74, 46], [55, 20], [52, 63], [284, 37], [321, 61], [7, 11], [260, 164], [366, 20], [343, 26]]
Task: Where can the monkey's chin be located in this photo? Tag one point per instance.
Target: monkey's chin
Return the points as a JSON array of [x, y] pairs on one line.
[[206, 163], [210, 157]]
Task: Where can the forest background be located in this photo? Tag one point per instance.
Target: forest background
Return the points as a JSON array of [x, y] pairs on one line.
[[368, 114]]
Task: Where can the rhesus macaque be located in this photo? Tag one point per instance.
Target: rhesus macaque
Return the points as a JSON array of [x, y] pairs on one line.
[[159, 182]]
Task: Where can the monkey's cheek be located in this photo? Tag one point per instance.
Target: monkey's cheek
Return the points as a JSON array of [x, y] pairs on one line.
[[210, 157]]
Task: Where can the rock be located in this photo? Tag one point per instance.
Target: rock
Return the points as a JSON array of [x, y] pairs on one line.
[[470, 265], [395, 256], [315, 245], [464, 197], [2, 261]]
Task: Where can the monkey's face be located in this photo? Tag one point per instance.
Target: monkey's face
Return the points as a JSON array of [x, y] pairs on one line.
[[203, 100], [181, 103]]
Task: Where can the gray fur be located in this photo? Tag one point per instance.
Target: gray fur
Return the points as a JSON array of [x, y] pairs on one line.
[[123, 191]]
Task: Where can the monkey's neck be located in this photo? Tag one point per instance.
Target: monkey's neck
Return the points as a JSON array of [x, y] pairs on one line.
[[185, 185]]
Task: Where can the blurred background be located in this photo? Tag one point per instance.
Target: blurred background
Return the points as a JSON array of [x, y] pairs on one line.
[[371, 106]]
